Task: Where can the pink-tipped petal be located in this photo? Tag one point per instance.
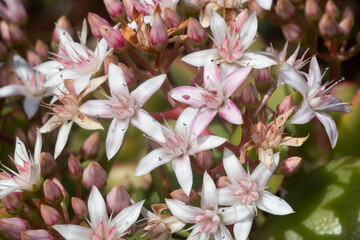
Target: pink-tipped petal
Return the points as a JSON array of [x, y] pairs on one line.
[[127, 217], [182, 211], [230, 112], [147, 124], [202, 120], [205, 142], [233, 168], [97, 207], [234, 80], [242, 229], [143, 92], [117, 80], [62, 137], [330, 127], [198, 58], [151, 161], [273, 204], [208, 193], [304, 114], [295, 80], [115, 136], [189, 95], [183, 172]]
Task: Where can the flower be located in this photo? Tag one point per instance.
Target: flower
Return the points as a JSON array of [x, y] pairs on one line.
[[101, 226], [209, 219], [74, 61], [214, 97], [317, 100], [179, 144], [28, 178], [32, 86], [125, 108]]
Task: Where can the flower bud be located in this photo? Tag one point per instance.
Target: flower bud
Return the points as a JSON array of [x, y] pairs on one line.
[[5, 32], [255, 7], [16, 33], [64, 23], [223, 182], [94, 174], [113, 37], [128, 74], [115, 8], [286, 104], [348, 13], [50, 215], [90, 147], [52, 193], [196, 33], [47, 163], [158, 34], [95, 21], [180, 195], [79, 207], [205, 159], [117, 199], [291, 32], [39, 234], [291, 165], [284, 9], [41, 49], [12, 204], [345, 26], [263, 79], [61, 187], [331, 9], [239, 21], [312, 10], [13, 11], [249, 95], [172, 18], [12, 227], [74, 168], [328, 27], [32, 58]]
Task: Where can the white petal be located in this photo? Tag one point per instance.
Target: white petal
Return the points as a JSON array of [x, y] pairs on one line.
[[37, 149], [265, 4], [92, 85], [127, 217], [87, 123], [51, 124], [236, 213], [143, 92], [230, 112], [115, 136], [62, 137], [205, 142], [226, 196], [248, 31], [73, 232], [211, 74], [219, 28], [234, 80], [151, 161], [255, 60], [83, 34], [148, 125], [222, 233], [97, 108], [117, 81], [101, 49], [49, 68], [314, 77], [97, 207], [304, 114], [202, 120], [22, 68], [21, 153], [242, 229], [4, 192], [208, 193], [198, 58], [273, 204], [233, 168], [81, 83], [12, 90], [182, 211], [184, 121], [295, 80], [31, 105], [261, 175], [189, 95], [330, 127], [227, 68], [183, 172]]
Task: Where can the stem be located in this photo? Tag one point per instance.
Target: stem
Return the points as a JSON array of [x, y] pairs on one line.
[[264, 100], [171, 114], [142, 61], [78, 189]]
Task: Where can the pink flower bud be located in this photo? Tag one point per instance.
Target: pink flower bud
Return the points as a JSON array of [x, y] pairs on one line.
[[286, 104], [196, 33], [47, 163], [115, 8], [172, 18], [74, 168], [284, 9], [95, 21], [263, 79], [64, 23], [61, 187], [345, 26], [180, 195], [312, 10], [255, 7], [128, 74], [223, 182], [52, 192], [50, 215], [205, 159], [41, 49], [90, 147], [291, 165], [5, 32], [158, 34], [249, 95], [239, 21], [348, 13], [12, 227], [113, 37], [328, 27], [12, 204], [117, 199], [94, 174], [79, 207], [291, 32], [32, 58], [16, 33], [12, 11], [40, 234], [331, 9]]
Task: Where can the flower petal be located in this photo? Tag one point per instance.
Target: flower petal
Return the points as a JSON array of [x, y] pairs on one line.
[[211, 74], [21, 153], [184, 121], [314, 77], [31, 105], [230, 112], [12, 90], [49, 68], [117, 81], [92, 85], [182, 211], [151, 161], [115, 136], [234, 80], [127, 217], [233, 168], [265, 4], [219, 28], [73, 232], [205, 142], [242, 228], [62, 137], [87, 123], [202, 120], [248, 31], [37, 149], [97, 108], [255, 60], [330, 127], [261, 174], [199, 58], [147, 124], [97, 207], [273, 204], [22, 68], [101, 49], [222, 233], [189, 95], [226, 196], [51, 124], [304, 114], [236, 213], [208, 193], [143, 92], [183, 172], [295, 80], [81, 83]]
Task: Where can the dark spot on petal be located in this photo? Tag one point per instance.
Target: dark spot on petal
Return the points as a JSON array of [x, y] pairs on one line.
[[186, 97]]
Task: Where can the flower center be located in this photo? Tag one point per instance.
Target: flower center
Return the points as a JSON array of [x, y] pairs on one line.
[[175, 143], [123, 106], [247, 192], [213, 98], [231, 49], [209, 221], [104, 231]]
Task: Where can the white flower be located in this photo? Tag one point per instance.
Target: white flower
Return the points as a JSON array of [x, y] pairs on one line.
[[101, 226]]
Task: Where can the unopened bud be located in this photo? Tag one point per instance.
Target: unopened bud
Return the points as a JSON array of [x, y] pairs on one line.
[[345, 26], [291, 32], [5, 32], [90, 147], [74, 168], [117, 199], [312, 10], [12, 227], [94, 174], [286, 104], [47, 163], [205, 159], [348, 13], [331, 9], [16, 33], [61, 187], [284, 9], [95, 21], [65, 24], [12, 204], [79, 207], [255, 7], [50, 215], [13, 11], [291, 165], [328, 27], [128, 74], [196, 33], [32, 58], [223, 182], [52, 193], [263, 79], [239, 20], [158, 34], [115, 8], [113, 37], [41, 49], [249, 95], [179, 194], [172, 18], [39, 234]]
